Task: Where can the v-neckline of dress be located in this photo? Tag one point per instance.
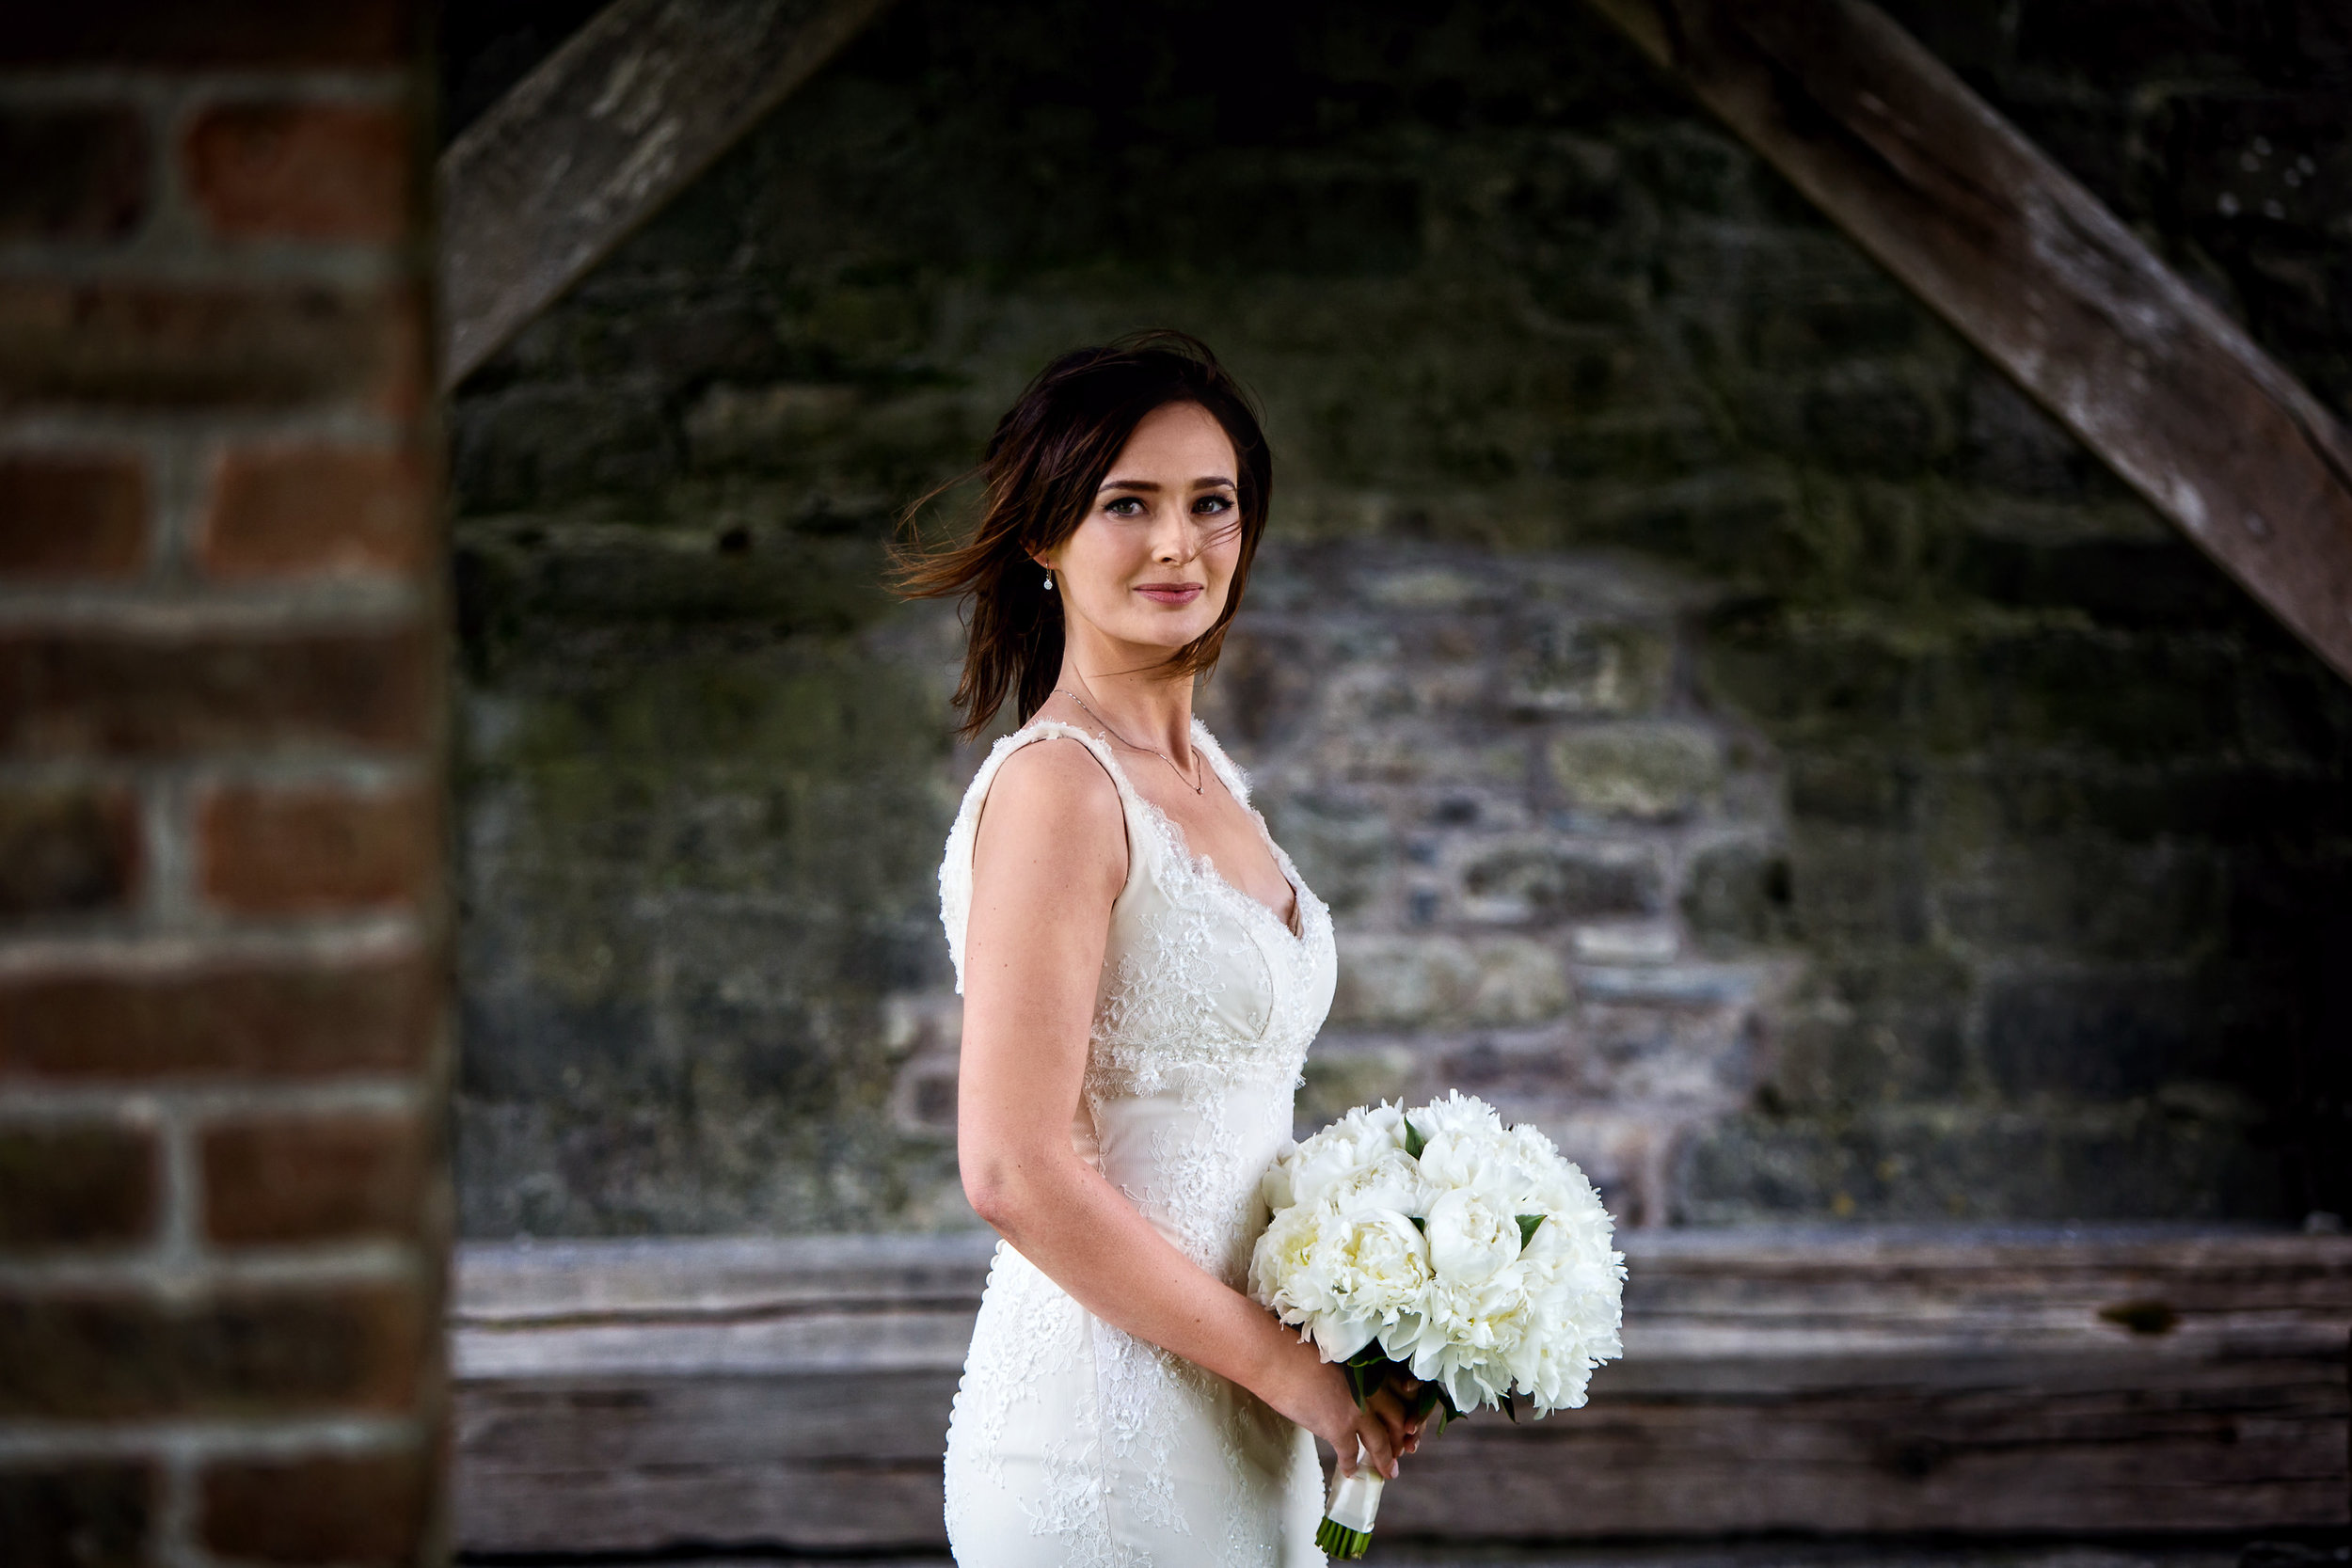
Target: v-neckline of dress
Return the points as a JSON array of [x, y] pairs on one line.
[[1203, 865], [1206, 868]]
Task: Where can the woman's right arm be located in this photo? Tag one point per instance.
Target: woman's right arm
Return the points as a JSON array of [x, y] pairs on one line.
[[1048, 861]]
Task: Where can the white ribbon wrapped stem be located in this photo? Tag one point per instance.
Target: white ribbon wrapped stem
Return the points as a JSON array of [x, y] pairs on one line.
[[1356, 1498]]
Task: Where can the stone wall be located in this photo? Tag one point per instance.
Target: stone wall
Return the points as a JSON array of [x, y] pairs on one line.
[[1499, 772], [1734, 726]]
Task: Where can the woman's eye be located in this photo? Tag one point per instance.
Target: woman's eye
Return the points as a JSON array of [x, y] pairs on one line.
[[1214, 504], [1123, 506]]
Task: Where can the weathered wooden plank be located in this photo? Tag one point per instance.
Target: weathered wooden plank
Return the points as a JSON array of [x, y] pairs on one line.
[[810, 1463], [633, 1397], [595, 139], [2213, 1447], [2217, 1447], [2245, 1456], [874, 1337], [798, 1509], [2036, 273], [1968, 1269], [739, 1418]]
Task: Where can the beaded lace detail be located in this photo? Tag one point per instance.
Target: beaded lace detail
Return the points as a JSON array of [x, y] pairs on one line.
[[1202, 1018]]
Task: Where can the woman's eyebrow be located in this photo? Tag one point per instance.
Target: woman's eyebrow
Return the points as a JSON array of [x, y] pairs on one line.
[[1207, 482]]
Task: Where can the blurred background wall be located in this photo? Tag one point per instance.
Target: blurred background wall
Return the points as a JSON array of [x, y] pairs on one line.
[[225, 1047], [1733, 726]]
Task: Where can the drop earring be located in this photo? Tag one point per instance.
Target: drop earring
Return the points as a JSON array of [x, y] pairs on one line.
[[1049, 582]]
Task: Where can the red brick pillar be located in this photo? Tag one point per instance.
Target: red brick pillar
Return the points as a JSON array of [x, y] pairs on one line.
[[223, 1051]]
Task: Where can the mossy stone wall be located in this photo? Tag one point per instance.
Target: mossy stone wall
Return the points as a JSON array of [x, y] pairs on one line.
[[1774, 752]]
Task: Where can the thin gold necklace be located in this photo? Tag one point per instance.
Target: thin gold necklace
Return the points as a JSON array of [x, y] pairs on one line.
[[1202, 766]]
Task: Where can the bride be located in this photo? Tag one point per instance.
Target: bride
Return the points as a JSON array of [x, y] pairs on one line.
[[1142, 971]]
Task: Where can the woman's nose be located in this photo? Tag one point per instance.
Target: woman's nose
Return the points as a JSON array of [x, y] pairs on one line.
[[1171, 536]]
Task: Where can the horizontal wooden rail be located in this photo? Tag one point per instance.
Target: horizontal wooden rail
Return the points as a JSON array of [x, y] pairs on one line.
[[643, 1395]]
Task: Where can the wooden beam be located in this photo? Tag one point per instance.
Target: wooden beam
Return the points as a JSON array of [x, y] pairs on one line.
[[645, 1396], [599, 137], [2036, 272]]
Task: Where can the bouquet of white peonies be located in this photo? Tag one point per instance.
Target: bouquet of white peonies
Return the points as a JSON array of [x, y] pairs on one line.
[[1436, 1246]]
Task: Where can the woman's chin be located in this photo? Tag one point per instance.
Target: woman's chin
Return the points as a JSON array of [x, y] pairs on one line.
[[1167, 633]]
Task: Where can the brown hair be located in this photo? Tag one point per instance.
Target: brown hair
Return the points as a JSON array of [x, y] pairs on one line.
[[1040, 472]]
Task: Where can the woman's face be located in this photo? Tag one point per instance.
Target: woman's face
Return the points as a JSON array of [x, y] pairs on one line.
[[1154, 559]]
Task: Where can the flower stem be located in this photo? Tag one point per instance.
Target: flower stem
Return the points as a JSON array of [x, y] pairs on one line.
[[1338, 1541]]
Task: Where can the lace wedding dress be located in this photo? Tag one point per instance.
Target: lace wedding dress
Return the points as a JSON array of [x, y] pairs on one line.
[[1073, 1445]]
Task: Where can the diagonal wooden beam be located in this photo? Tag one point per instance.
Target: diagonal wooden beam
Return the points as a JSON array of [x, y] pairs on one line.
[[2036, 273], [598, 138]]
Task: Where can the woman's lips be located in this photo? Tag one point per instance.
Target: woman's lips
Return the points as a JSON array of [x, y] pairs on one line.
[[1171, 593]]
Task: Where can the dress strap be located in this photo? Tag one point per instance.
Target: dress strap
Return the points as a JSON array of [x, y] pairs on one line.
[[955, 866], [1227, 769]]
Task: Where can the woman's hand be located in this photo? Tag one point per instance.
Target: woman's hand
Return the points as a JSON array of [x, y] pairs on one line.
[[1314, 1392], [1393, 1406]]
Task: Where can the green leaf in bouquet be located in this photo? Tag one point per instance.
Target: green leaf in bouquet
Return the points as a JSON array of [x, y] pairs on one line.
[[1527, 1229], [1414, 1142], [1421, 1223]]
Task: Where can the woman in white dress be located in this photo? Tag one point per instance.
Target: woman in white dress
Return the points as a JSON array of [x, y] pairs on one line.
[[1142, 971]]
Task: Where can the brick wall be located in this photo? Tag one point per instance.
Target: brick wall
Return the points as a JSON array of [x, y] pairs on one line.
[[222, 1052]]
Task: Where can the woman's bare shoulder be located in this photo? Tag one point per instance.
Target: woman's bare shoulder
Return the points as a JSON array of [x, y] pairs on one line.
[[1053, 794]]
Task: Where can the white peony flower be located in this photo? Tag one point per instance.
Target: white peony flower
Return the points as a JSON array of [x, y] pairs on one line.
[[1275, 1185], [1470, 1238], [1282, 1265], [1357, 1139], [1386, 1259], [1457, 1113], [1371, 1270], [1390, 1179]]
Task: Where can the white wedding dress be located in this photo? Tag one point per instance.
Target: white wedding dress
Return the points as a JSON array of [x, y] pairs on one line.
[[1073, 1445]]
